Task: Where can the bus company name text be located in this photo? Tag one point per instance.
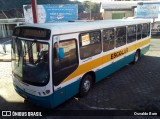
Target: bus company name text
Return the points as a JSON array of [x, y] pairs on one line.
[[119, 53]]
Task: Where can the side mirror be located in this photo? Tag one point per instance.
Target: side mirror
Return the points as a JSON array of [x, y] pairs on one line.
[[61, 53]]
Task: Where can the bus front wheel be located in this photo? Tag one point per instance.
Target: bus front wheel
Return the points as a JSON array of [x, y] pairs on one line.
[[85, 85], [136, 56]]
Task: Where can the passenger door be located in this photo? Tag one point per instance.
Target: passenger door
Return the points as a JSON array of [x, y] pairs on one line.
[[62, 68]]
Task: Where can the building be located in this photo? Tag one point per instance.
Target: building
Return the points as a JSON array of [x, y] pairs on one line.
[[120, 9], [7, 26]]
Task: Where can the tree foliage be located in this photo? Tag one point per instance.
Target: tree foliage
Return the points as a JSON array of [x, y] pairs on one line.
[[88, 6]]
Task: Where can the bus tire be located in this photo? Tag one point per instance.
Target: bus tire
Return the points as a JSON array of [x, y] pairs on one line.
[[136, 57], [85, 85]]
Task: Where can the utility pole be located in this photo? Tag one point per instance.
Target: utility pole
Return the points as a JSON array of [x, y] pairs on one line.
[[34, 11], [90, 11]]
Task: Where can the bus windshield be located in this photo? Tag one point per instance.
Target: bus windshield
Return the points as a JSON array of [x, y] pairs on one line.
[[30, 61]]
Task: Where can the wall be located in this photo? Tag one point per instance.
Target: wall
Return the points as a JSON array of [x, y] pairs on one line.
[[6, 30], [108, 13]]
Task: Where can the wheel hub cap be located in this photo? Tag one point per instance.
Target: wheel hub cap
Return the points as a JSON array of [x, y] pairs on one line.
[[86, 85]]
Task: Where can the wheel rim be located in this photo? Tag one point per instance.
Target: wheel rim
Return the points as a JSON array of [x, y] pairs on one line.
[[136, 57], [86, 85]]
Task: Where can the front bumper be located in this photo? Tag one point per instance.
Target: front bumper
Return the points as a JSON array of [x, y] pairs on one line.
[[47, 101]]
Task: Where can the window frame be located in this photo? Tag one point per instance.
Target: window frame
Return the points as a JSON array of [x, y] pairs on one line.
[[58, 81], [148, 27], [137, 32], [80, 44], [76, 44], [111, 28], [127, 33], [125, 26]]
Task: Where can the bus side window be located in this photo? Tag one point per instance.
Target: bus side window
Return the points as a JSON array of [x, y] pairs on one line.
[[90, 44], [108, 39], [70, 54], [139, 31], [131, 34], [120, 36], [145, 30]]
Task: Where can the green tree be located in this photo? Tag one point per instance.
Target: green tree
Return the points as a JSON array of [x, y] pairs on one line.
[[95, 8], [86, 6]]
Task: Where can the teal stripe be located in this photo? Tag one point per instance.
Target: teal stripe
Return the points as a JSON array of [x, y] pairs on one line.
[[55, 99], [66, 92], [101, 74], [113, 67], [46, 101], [72, 89], [145, 49]]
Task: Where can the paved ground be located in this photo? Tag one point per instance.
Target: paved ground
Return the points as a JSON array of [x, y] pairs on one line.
[[134, 87]]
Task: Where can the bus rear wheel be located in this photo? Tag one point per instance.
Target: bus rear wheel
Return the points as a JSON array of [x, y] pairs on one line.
[[136, 56], [85, 85]]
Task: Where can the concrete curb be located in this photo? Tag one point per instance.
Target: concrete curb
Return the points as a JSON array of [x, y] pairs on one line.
[[5, 60]]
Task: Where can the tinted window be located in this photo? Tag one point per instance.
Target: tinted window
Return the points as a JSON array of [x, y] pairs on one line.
[[120, 36], [32, 32], [62, 68], [139, 31], [90, 44], [70, 54], [108, 39], [131, 34], [149, 29], [145, 30]]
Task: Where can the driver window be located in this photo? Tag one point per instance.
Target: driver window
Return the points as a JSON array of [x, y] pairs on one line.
[[43, 52], [70, 54]]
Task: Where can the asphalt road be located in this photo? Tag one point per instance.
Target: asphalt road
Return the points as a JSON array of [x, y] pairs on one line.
[[134, 87]]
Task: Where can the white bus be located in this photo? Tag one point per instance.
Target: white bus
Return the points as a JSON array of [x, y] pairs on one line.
[[52, 62]]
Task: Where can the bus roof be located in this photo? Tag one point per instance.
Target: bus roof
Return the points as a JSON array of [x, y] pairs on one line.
[[80, 26]]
